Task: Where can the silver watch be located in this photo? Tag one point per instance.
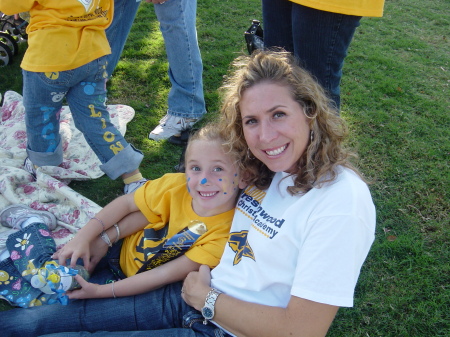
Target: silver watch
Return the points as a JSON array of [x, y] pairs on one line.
[[208, 309]]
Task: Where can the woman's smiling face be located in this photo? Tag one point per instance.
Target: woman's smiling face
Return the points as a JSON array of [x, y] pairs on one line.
[[275, 127]]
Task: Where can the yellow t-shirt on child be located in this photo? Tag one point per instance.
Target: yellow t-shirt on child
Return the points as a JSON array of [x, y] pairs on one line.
[[167, 205], [63, 35]]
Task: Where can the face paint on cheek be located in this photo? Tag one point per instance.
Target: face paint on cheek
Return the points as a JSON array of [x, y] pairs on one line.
[[187, 185], [224, 185], [236, 181]]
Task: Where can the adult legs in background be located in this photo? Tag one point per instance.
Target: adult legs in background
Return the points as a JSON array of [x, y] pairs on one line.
[[177, 18], [186, 103], [117, 33], [319, 39]]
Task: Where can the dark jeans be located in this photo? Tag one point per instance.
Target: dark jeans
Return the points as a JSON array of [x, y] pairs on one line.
[[158, 313], [317, 38]]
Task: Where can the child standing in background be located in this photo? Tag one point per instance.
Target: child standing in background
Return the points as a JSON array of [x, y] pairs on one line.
[[66, 59]]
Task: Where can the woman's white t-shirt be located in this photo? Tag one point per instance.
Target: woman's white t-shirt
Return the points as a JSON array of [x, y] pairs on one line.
[[310, 246]]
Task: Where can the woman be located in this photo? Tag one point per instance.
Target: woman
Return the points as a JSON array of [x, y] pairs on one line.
[[300, 234]]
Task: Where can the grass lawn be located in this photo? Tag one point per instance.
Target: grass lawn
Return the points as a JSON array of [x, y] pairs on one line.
[[395, 97]]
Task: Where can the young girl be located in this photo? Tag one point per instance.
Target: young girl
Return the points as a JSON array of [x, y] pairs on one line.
[[171, 226]]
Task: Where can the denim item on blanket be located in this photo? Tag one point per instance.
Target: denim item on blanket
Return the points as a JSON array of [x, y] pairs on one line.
[[29, 248]]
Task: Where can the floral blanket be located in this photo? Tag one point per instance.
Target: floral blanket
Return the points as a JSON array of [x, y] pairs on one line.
[[49, 191]]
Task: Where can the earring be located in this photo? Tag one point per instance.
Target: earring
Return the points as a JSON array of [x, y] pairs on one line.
[[250, 155], [311, 136]]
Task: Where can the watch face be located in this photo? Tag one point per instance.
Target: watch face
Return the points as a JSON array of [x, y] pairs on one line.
[[207, 312]]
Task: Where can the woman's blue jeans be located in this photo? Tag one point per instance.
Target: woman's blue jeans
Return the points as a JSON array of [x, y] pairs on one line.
[[177, 19], [158, 313], [85, 91], [319, 39]]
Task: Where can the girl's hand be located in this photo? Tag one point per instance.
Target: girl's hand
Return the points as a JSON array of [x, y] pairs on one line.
[[196, 287], [76, 248], [88, 290]]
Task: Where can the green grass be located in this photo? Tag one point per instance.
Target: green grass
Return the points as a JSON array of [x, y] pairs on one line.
[[395, 97]]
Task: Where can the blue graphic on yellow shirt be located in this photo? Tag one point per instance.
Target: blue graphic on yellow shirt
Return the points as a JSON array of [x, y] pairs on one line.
[[159, 249], [239, 244], [151, 242]]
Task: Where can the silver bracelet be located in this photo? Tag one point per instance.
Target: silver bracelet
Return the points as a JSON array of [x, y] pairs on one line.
[[100, 221], [118, 232], [112, 288], [105, 238]]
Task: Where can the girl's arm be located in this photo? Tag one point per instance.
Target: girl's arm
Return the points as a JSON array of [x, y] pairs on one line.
[[172, 271], [301, 317], [79, 246]]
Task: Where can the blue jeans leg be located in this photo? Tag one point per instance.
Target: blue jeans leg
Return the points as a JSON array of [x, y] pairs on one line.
[[42, 99], [85, 90], [177, 20], [160, 309], [117, 33], [319, 39]]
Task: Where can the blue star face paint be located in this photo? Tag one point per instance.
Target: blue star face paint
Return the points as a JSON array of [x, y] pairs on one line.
[[204, 181]]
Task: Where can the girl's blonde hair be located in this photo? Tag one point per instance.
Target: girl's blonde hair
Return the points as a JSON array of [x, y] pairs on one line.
[[325, 151], [211, 132]]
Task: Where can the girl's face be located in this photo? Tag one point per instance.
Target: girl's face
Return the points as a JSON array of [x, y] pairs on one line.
[[212, 178], [275, 128]]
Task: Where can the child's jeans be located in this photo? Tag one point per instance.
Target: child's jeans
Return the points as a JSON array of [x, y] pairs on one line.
[[85, 91], [30, 248]]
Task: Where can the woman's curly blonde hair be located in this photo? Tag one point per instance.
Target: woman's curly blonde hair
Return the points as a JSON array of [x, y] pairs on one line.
[[325, 151]]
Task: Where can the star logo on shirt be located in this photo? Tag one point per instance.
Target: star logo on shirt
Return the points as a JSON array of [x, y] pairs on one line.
[[239, 244]]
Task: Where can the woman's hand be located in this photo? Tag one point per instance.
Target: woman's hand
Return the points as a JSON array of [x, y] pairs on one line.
[[88, 290], [196, 287]]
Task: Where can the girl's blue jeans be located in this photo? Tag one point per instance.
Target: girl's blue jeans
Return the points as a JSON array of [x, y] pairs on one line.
[[177, 19], [319, 39], [29, 249], [85, 91]]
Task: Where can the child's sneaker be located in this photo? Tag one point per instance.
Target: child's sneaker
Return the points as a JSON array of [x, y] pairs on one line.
[[131, 187], [29, 167], [13, 216], [170, 126]]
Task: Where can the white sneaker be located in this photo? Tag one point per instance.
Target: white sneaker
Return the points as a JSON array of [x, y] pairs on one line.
[[13, 216], [131, 187], [171, 126]]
